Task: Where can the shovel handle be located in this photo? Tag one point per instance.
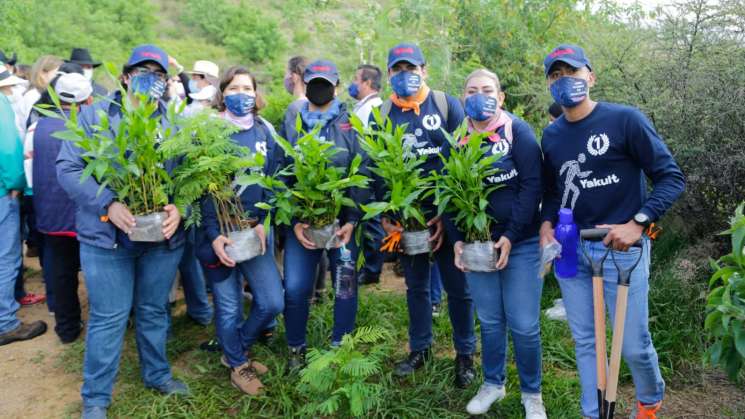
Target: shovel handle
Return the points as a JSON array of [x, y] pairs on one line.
[[617, 344], [593, 234]]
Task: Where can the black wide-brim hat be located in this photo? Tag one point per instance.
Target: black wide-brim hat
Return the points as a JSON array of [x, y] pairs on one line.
[[83, 57]]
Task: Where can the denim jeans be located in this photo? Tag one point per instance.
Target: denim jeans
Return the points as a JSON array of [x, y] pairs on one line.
[[511, 299], [192, 279], [299, 269], [117, 281], [371, 245], [435, 287], [10, 261], [638, 351], [460, 306], [61, 266], [236, 334]]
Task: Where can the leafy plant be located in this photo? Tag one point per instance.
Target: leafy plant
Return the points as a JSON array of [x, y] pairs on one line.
[[460, 187], [725, 305], [399, 168], [338, 380], [317, 195], [131, 163], [211, 161]]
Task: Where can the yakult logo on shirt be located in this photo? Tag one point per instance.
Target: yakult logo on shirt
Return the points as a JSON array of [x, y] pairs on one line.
[[501, 147], [431, 122], [597, 145], [261, 147], [502, 177], [571, 171]]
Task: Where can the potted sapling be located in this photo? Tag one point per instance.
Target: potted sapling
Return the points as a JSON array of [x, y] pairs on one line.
[[131, 163], [402, 187], [462, 196], [311, 187], [211, 164]]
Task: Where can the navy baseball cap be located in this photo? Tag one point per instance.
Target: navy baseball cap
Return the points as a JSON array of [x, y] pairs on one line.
[[405, 52], [321, 69], [573, 55], [148, 52]]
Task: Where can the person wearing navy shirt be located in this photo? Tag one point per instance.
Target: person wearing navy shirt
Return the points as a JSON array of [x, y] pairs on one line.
[[510, 297], [239, 103], [322, 111], [121, 275], [426, 113], [597, 158]]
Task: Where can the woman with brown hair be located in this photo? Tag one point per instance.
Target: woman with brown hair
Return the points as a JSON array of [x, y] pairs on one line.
[[42, 72], [238, 102]]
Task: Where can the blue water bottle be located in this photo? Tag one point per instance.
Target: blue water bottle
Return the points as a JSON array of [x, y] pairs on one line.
[[346, 282], [567, 235]]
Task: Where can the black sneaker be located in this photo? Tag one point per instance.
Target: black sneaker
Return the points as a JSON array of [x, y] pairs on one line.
[[296, 359], [24, 331], [211, 345], [366, 278], [413, 362], [464, 371]]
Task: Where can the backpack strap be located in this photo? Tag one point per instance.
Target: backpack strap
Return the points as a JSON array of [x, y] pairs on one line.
[[441, 101]]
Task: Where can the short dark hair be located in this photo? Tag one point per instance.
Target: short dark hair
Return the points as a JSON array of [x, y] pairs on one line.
[[297, 64], [372, 73]]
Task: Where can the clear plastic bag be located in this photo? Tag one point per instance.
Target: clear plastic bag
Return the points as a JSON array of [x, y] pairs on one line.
[[549, 252]]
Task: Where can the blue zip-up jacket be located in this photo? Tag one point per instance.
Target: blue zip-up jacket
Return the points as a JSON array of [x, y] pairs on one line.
[[340, 131], [257, 139], [91, 205], [514, 205], [55, 211], [424, 134], [597, 167]]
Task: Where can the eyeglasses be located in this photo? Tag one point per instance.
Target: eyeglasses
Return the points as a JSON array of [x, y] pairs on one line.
[[144, 70]]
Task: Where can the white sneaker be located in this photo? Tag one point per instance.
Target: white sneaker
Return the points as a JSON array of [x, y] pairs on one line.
[[482, 401], [533, 404]]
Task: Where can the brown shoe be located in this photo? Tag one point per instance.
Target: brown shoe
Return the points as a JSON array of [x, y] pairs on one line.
[[245, 379], [260, 368], [25, 331]]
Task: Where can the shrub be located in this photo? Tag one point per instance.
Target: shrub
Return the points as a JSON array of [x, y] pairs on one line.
[[338, 380], [460, 188], [725, 305], [399, 169]]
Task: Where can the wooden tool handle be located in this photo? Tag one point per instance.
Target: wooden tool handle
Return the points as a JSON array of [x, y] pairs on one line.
[[601, 355], [615, 355]]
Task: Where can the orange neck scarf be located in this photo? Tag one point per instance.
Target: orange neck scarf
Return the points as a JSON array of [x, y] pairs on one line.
[[413, 102]]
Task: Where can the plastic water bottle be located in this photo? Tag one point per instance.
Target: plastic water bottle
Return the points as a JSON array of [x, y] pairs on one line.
[[567, 235], [345, 277]]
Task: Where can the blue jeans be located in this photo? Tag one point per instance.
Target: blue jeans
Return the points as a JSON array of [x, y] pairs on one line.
[[511, 298], [118, 280], [435, 284], [235, 334], [460, 305], [638, 351], [192, 279], [10, 261], [299, 268]]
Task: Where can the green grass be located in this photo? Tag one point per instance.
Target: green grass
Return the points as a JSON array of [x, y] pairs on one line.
[[430, 393]]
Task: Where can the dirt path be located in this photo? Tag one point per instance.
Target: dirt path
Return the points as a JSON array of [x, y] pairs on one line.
[[34, 383]]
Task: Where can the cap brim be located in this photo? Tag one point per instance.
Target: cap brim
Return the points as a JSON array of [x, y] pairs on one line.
[[408, 60], [331, 80], [569, 61], [12, 81]]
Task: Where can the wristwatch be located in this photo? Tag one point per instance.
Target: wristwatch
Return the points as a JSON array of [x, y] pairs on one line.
[[642, 219]]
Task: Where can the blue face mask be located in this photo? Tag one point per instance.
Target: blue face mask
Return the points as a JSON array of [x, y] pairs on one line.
[[569, 91], [193, 88], [353, 90], [240, 104], [148, 84], [481, 107], [406, 83]]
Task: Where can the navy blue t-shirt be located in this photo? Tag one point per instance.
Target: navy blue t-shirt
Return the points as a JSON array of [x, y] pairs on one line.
[[597, 166]]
